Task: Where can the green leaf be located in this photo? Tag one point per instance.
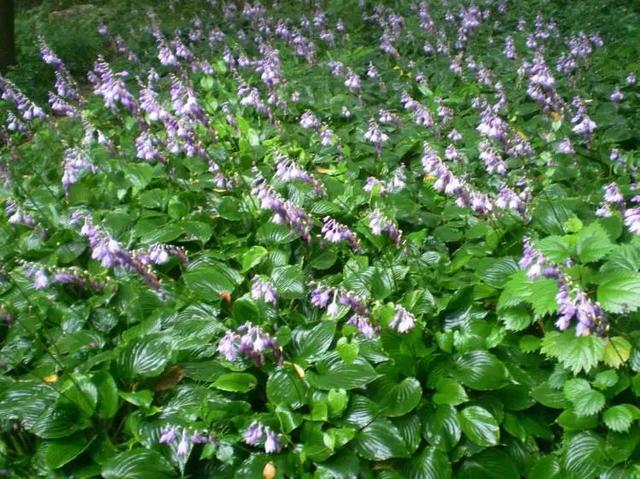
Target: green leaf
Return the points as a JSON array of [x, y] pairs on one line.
[[450, 392], [58, 421], [442, 427], [284, 387], [577, 353], [144, 357], [479, 426], [605, 379], [62, 451], [138, 464], [499, 272], [380, 441], [207, 278], [554, 248], [315, 341], [337, 400], [481, 370], [398, 399], [253, 257], [570, 421], [593, 243], [489, 464], [431, 463], [547, 467], [107, 406], [616, 352], [289, 281], [619, 418], [142, 398], [236, 382], [549, 397], [410, 428], [516, 318], [586, 401], [334, 373], [543, 297], [583, 455], [618, 293]]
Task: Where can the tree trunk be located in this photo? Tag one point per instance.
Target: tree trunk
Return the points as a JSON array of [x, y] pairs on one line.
[[7, 35]]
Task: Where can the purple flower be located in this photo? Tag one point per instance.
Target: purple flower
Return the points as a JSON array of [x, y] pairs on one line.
[[612, 194], [110, 87], [253, 434], [288, 170], [616, 156], [403, 321], [264, 290], [617, 96], [352, 82], [249, 341], [272, 442], [168, 435], [40, 279], [363, 323], [75, 164], [574, 303], [228, 346], [184, 445], [309, 121], [631, 79], [335, 232], [632, 220], [378, 223], [565, 147], [284, 211], [320, 296], [200, 438], [492, 160], [532, 261], [375, 136]]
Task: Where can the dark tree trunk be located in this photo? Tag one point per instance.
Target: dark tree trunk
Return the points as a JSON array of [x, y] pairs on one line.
[[7, 35]]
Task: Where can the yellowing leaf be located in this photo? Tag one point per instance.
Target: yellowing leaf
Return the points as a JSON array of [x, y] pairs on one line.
[[616, 352], [51, 378], [269, 471]]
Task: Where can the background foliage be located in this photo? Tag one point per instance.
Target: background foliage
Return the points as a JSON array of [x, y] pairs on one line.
[[159, 321]]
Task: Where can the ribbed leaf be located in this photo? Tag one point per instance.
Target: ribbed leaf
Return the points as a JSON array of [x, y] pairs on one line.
[[479, 426], [431, 463], [380, 441]]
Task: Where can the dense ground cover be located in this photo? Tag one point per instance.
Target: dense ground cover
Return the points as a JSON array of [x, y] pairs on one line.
[[326, 240]]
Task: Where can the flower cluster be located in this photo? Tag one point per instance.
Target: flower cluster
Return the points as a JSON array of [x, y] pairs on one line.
[[263, 290], [284, 210], [75, 164], [111, 87], [111, 254], [256, 433], [403, 321], [183, 440], [572, 301], [335, 232], [378, 223], [250, 342], [289, 170]]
